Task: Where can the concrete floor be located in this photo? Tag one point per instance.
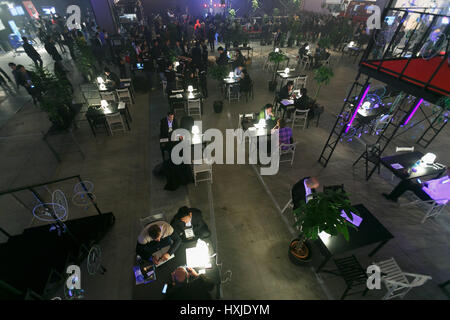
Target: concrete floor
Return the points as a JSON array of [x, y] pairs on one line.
[[252, 236]]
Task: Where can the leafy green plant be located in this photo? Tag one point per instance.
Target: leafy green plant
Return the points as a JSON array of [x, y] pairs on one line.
[[322, 76], [265, 18], [255, 5], [85, 59], [218, 72], [276, 57], [276, 12], [323, 214], [232, 13], [56, 97]]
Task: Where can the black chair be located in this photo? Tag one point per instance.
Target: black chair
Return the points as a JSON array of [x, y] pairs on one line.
[[372, 155], [187, 123], [353, 274]]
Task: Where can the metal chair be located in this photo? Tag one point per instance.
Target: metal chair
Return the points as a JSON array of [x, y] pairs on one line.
[[108, 96], [305, 61], [396, 280], [128, 83], [233, 92], [194, 107], [353, 274], [115, 122], [288, 149], [202, 168], [300, 82], [433, 207], [300, 116], [124, 95], [144, 221]]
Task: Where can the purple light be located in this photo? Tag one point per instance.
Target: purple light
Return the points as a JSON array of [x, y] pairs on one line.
[[359, 106], [414, 111]]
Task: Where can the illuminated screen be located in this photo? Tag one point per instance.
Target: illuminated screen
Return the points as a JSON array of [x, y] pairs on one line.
[[389, 20]]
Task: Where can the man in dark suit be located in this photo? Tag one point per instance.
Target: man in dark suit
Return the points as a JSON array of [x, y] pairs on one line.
[[168, 124], [302, 191], [31, 52], [187, 218], [222, 60]]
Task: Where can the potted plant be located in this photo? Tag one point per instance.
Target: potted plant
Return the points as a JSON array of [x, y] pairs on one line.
[[56, 97], [85, 59], [275, 57], [320, 214], [322, 76], [218, 73]]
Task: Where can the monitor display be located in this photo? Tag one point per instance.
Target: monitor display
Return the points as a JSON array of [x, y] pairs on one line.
[[49, 10], [20, 11], [140, 66]]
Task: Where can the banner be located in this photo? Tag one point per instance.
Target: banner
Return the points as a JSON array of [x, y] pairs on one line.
[[29, 6]]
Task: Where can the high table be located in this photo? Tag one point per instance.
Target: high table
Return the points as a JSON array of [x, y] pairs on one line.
[[96, 114], [407, 161], [370, 231], [288, 76], [153, 290]]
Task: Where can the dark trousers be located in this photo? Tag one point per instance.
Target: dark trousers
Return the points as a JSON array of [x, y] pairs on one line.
[[147, 250], [36, 59], [211, 44], [406, 185], [149, 75]]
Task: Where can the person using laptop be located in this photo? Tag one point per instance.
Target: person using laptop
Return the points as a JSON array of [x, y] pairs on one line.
[[155, 237], [188, 223], [187, 284], [303, 190]]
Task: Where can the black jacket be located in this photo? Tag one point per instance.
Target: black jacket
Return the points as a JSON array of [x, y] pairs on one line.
[[284, 93], [30, 50], [197, 223], [164, 128], [197, 289], [223, 59]]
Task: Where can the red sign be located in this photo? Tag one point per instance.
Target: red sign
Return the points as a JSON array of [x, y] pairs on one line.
[[29, 6]]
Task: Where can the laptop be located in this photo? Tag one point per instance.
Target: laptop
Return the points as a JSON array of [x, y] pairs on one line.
[[160, 253], [140, 66]]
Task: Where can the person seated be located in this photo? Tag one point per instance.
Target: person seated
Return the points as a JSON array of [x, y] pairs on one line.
[[238, 72], [190, 80], [303, 190], [245, 82], [171, 79], [112, 80], [154, 237], [303, 102], [284, 133], [187, 284], [167, 125], [287, 91], [239, 60], [426, 191], [222, 60], [266, 113], [190, 218]]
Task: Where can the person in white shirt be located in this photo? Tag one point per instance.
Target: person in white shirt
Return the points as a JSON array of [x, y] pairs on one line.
[[436, 189]]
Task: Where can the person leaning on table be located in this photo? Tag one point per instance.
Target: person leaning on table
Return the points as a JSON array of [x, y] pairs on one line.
[[154, 237], [187, 284], [190, 218]]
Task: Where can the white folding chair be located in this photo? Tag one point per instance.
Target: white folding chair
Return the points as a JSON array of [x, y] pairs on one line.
[[194, 107], [115, 122], [300, 82], [128, 83], [152, 218], [108, 96], [124, 95], [233, 92], [301, 117], [290, 204], [433, 207], [202, 168], [396, 281], [288, 149]]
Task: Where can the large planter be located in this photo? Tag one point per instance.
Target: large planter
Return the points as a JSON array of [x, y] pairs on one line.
[[295, 257]]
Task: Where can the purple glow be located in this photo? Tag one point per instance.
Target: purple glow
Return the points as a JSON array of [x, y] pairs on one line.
[[414, 111], [356, 219], [359, 106]]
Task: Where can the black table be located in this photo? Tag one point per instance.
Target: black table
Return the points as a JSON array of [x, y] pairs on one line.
[[94, 115], [407, 160], [370, 231], [286, 77], [153, 290]]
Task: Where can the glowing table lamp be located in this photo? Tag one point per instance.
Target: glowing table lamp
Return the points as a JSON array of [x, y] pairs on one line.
[[277, 50], [100, 80], [190, 89], [195, 130], [231, 75], [427, 159], [198, 257], [286, 71]]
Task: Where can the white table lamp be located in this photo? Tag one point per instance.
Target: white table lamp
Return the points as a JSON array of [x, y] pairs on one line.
[[195, 130], [427, 159], [286, 71], [190, 89], [100, 80], [104, 103], [277, 50]]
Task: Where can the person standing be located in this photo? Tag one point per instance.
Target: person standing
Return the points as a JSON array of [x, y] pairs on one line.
[[31, 52], [26, 79], [51, 49]]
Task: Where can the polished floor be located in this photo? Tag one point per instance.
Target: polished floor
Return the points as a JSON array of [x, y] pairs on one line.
[[241, 207]]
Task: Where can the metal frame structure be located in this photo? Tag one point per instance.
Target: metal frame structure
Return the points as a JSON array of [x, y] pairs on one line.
[[402, 112]]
